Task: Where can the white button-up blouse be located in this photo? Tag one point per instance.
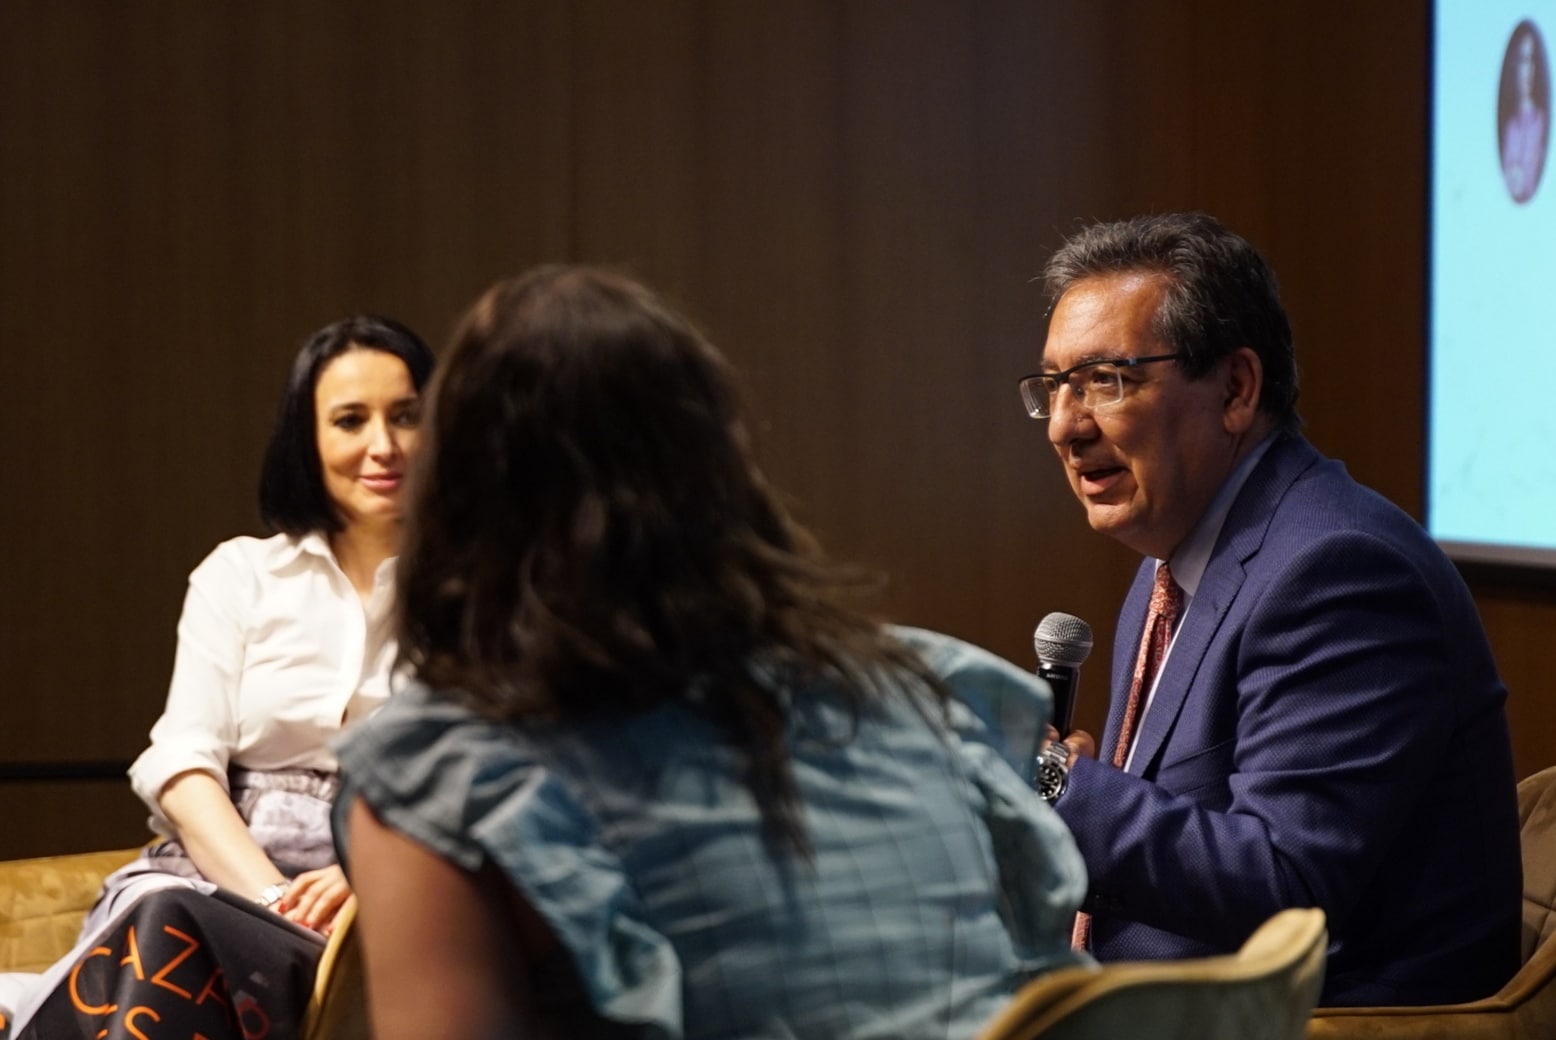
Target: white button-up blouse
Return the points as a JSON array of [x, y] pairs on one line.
[[276, 652]]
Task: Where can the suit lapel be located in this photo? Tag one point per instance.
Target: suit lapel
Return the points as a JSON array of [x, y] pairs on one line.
[[1217, 589], [1241, 537]]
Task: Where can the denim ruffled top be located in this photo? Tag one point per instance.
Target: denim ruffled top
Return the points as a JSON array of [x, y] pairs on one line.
[[938, 884]]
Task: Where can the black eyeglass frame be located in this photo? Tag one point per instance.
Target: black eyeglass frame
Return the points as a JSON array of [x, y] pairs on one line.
[[1063, 378]]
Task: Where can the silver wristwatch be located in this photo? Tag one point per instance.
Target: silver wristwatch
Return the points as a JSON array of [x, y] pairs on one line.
[[1053, 771]]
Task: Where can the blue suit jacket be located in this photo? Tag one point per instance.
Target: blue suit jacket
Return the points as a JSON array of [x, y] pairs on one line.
[[1329, 730]]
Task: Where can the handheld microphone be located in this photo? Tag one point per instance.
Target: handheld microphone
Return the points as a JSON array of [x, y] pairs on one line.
[[1063, 642]]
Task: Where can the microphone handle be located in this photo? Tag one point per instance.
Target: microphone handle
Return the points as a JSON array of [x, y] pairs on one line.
[[1062, 680]]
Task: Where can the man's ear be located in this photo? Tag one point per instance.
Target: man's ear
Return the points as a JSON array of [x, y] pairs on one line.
[[1243, 382]]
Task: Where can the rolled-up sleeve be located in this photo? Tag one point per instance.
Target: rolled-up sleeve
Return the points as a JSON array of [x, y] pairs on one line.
[[198, 727]]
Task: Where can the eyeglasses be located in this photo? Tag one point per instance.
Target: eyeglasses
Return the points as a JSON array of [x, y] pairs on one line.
[[1094, 384]]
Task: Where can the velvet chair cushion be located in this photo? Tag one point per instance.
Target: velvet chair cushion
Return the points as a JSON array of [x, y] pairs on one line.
[[43, 901]]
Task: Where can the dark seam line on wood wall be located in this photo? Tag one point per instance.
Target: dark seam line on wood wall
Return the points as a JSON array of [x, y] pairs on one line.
[[24, 771]]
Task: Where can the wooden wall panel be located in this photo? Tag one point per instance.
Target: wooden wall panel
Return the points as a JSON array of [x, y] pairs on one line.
[[187, 190], [852, 196], [1519, 612], [51, 818]]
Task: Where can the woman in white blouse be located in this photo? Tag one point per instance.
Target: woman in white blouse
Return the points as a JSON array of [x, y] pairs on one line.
[[283, 641]]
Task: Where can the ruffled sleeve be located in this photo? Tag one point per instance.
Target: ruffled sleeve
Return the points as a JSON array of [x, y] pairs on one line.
[[1042, 878], [998, 717], [1010, 706], [467, 790]]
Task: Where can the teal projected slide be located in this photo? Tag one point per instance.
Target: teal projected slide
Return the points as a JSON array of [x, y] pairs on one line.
[[1491, 470]]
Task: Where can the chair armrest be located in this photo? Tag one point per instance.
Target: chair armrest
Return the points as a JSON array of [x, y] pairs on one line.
[[338, 1010], [43, 901], [1525, 1007]]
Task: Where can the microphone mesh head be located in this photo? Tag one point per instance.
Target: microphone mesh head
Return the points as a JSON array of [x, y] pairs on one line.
[[1062, 639]]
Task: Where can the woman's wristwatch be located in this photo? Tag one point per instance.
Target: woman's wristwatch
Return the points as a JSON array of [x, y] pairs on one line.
[[272, 894]]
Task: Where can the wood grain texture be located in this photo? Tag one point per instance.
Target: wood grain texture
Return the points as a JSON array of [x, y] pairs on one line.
[[851, 196]]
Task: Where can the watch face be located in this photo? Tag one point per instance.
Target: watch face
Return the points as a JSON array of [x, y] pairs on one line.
[[1050, 781]]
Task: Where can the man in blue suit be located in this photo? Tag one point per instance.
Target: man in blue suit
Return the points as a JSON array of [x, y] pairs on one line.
[[1327, 727]]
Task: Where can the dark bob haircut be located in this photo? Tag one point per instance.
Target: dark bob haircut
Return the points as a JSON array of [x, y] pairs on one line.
[[1221, 294], [292, 499]]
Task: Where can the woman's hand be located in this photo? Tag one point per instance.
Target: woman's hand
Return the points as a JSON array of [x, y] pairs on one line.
[[315, 898]]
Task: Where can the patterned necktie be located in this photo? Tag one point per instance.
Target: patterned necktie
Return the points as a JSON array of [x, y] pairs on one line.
[[1160, 621]]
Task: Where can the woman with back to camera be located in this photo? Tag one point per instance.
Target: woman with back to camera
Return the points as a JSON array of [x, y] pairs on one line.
[[282, 642], [653, 776]]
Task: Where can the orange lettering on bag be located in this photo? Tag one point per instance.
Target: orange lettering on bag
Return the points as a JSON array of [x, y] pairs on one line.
[[216, 989], [160, 978], [252, 1019], [75, 993], [132, 954], [129, 1021]]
